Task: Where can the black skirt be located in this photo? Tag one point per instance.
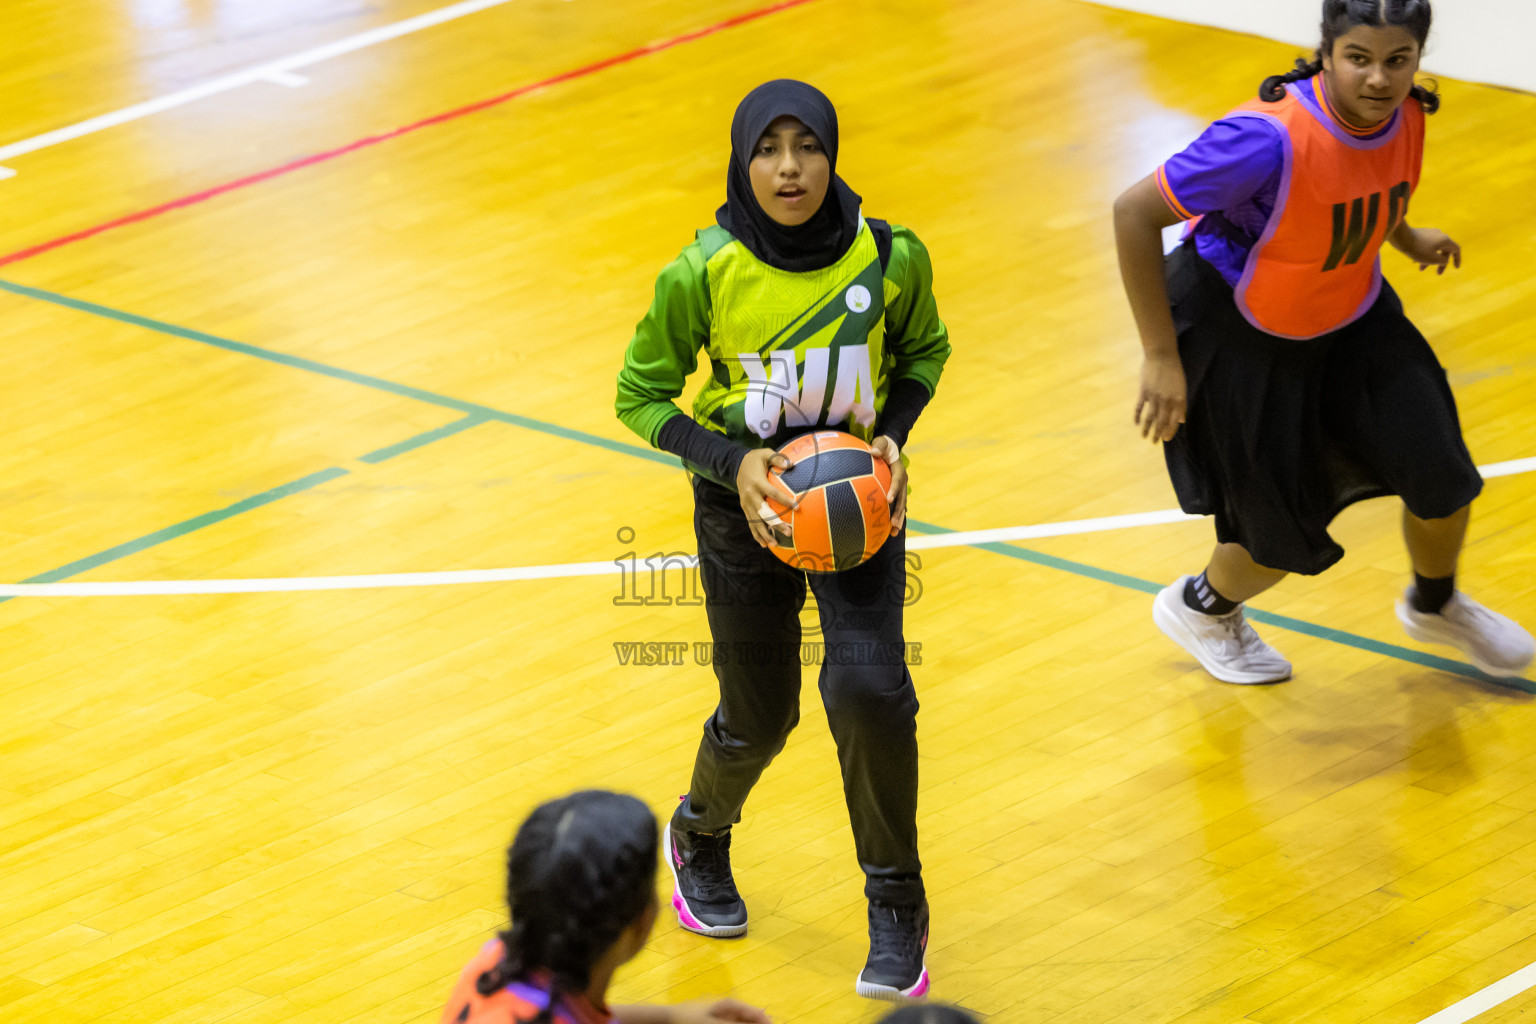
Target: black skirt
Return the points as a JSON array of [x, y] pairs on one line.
[[1281, 435]]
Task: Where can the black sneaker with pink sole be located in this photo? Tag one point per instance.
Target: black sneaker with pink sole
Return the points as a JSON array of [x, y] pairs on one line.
[[898, 940], [704, 893]]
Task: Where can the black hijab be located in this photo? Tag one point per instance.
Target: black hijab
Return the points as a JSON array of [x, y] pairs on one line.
[[820, 241]]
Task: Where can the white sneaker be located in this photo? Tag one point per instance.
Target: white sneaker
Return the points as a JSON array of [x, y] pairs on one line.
[[1495, 644], [1225, 645]]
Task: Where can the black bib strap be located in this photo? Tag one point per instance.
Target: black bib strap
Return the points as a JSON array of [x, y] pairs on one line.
[[881, 229]]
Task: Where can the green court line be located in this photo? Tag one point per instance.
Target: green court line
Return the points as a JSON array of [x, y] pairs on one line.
[[1337, 636], [336, 372], [185, 527], [477, 414], [255, 501], [412, 443]]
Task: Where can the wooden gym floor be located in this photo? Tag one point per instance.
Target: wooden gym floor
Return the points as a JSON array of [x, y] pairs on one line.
[[264, 334]]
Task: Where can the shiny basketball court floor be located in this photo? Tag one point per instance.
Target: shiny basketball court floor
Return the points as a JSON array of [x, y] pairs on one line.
[[292, 291]]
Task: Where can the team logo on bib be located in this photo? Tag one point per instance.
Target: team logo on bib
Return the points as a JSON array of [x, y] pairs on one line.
[[857, 298]]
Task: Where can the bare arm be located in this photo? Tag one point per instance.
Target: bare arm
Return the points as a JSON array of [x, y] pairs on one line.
[[642, 1013], [698, 1011], [1140, 216], [1426, 246]]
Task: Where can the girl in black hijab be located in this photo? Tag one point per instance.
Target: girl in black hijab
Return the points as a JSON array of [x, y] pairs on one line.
[[822, 239], [812, 318]]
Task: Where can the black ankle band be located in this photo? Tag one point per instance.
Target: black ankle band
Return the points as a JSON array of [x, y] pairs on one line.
[[1203, 598], [1430, 595]]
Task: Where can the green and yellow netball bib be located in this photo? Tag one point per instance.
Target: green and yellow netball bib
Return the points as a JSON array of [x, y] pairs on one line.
[[792, 351]]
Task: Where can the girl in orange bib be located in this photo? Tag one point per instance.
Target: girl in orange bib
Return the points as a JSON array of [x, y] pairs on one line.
[[581, 883], [1280, 370]]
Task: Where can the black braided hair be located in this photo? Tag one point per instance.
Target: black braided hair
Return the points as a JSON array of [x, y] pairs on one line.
[[928, 1013], [580, 870], [1339, 16]]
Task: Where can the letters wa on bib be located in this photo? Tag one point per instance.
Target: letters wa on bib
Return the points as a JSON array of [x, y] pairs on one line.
[[1309, 389]]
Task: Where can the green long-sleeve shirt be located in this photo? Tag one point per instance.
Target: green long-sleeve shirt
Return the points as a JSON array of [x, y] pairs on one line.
[[788, 351]]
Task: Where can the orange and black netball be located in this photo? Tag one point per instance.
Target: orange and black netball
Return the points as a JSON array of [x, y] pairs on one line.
[[840, 516]]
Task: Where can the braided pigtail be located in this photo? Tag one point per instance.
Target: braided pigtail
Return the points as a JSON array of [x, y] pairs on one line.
[[508, 967], [1427, 95], [581, 871], [1273, 89], [515, 941], [602, 895]]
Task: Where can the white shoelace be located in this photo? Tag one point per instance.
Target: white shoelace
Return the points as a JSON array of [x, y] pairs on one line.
[[1241, 639]]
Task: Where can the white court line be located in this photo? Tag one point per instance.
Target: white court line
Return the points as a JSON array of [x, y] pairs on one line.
[[284, 585], [287, 79], [1167, 515], [1485, 999], [1509, 468], [277, 71], [1063, 529], [530, 572], [924, 542]]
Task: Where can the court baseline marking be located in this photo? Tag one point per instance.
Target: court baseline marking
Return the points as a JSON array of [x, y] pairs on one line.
[[1485, 999], [47, 585], [277, 72], [482, 413], [929, 537], [373, 140]]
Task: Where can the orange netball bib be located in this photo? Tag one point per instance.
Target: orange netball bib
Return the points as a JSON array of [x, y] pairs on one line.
[[1317, 266], [518, 1001]]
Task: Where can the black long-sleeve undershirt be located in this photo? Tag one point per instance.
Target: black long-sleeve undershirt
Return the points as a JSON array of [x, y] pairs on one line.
[[904, 403], [721, 457], [716, 454]]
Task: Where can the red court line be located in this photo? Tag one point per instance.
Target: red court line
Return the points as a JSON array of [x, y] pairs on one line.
[[373, 140]]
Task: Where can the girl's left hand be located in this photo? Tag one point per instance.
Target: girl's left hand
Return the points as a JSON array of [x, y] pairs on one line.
[[714, 1011], [1431, 248], [896, 497]]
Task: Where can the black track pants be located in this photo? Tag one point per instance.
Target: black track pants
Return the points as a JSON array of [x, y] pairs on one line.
[[753, 601]]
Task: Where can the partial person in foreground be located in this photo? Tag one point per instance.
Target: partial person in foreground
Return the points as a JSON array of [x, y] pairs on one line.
[[1279, 368], [928, 1013], [812, 318], [581, 885]]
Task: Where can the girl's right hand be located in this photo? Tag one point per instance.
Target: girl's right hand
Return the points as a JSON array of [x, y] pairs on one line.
[[1160, 405], [755, 490]]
